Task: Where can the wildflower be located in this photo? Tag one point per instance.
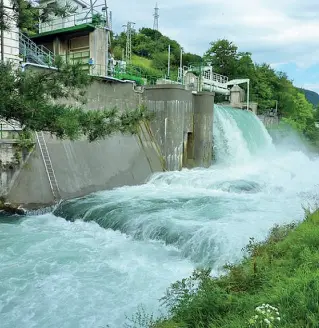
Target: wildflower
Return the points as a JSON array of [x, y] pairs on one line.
[[267, 321]]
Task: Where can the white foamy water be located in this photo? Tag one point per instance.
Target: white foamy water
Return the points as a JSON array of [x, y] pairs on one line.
[[118, 249]]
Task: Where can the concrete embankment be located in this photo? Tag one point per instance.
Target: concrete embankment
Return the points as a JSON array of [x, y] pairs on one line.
[[81, 167], [179, 135]]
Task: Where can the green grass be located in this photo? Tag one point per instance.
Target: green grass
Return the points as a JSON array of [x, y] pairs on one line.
[[282, 271], [141, 62]]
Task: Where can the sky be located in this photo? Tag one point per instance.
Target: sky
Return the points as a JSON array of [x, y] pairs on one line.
[[283, 33]]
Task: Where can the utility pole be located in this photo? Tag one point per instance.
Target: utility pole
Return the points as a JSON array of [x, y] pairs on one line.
[[128, 50], [169, 61], [107, 41], [110, 21], [181, 67], [156, 17], [1, 32]]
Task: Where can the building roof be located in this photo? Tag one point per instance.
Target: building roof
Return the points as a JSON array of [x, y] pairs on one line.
[[65, 31]]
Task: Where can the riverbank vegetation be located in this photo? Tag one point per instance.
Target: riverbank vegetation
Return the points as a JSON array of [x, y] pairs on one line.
[[281, 272]]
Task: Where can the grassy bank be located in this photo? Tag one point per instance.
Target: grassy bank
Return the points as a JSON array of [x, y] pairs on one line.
[[282, 272]]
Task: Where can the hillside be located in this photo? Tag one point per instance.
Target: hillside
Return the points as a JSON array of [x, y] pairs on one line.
[[311, 96]]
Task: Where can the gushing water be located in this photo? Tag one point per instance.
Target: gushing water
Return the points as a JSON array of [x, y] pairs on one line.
[[95, 259]]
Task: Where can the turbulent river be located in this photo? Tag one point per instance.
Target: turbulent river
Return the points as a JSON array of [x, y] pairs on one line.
[[94, 260]]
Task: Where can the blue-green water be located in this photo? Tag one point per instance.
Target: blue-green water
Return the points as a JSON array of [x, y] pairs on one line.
[[95, 259]]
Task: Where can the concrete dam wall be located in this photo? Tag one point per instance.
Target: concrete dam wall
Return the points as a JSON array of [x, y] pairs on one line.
[[182, 126], [179, 135]]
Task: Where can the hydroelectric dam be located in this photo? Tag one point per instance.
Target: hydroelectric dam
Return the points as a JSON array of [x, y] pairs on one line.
[[94, 260]]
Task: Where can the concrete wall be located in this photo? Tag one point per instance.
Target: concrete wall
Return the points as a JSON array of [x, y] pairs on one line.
[[269, 120], [173, 109], [98, 46], [179, 135], [182, 125], [81, 167], [203, 128], [11, 39], [12, 160]]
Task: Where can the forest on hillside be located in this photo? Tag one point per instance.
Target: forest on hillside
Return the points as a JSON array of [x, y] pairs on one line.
[[268, 86]]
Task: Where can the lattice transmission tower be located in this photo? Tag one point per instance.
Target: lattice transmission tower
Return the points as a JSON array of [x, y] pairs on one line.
[[156, 17], [128, 50]]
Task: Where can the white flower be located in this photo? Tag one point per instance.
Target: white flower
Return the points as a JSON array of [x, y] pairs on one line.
[[278, 318], [267, 321], [256, 316]]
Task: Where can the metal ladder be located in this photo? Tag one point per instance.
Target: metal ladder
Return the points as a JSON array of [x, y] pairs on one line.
[[48, 166], [34, 53]]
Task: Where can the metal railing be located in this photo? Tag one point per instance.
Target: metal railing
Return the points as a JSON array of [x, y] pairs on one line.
[[79, 18], [31, 52], [212, 76]]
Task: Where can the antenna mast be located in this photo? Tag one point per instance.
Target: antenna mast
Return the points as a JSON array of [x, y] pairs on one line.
[[156, 17]]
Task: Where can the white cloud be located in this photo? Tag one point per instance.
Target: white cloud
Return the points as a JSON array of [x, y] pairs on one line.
[[275, 31]]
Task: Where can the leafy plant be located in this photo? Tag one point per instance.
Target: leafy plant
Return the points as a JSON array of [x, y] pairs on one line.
[[266, 316], [286, 274], [31, 98]]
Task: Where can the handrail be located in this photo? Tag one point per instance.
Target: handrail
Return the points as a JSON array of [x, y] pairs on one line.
[[40, 54]]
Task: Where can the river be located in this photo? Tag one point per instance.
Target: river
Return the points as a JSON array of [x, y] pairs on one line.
[[94, 260]]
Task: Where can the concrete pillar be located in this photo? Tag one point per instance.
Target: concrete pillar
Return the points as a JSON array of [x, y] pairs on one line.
[[235, 96], [172, 106], [203, 128], [253, 106], [99, 51]]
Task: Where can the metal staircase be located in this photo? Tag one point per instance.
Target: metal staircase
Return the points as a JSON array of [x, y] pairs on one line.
[[33, 53], [48, 166]]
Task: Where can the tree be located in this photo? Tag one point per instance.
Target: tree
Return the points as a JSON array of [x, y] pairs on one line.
[[33, 98], [149, 32], [223, 56], [26, 14], [191, 59], [245, 67]]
